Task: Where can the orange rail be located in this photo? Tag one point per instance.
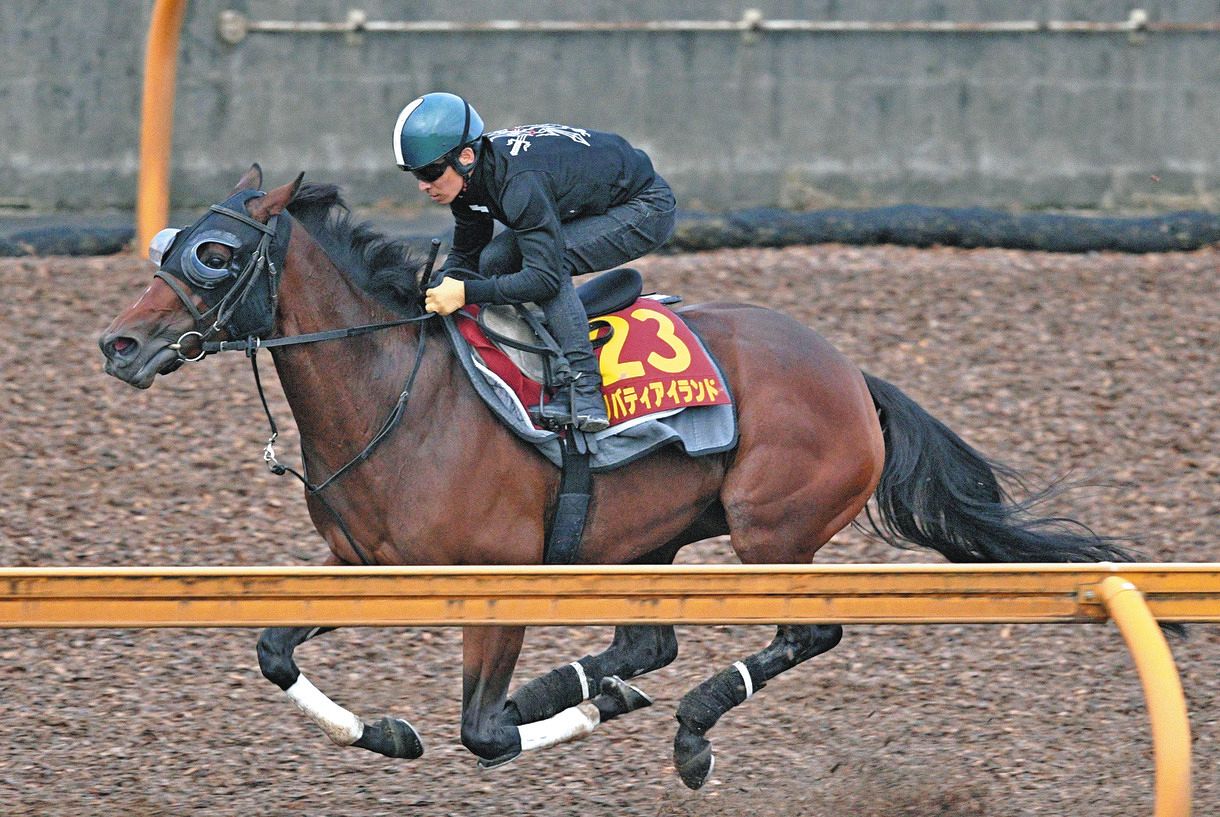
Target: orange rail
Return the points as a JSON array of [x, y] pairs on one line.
[[157, 119], [686, 594], [715, 594], [1162, 692]]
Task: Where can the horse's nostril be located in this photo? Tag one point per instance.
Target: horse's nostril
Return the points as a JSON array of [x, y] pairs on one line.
[[119, 347]]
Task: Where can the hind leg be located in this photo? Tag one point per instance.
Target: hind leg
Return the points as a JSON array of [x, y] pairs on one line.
[[702, 707], [636, 649], [392, 737], [776, 515], [793, 644]]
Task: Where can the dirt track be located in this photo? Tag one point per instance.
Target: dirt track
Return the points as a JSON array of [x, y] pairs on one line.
[[1106, 367]]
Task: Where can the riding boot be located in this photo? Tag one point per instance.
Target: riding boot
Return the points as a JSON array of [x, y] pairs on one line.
[[579, 403]]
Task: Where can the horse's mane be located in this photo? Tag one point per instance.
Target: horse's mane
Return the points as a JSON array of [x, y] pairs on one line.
[[382, 266]]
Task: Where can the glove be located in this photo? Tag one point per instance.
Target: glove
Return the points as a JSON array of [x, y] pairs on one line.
[[446, 297]]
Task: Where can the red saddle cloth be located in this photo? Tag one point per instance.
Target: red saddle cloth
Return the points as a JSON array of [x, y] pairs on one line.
[[651, 363]]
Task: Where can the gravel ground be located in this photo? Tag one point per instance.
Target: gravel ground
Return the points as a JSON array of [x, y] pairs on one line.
[[1104, 368]]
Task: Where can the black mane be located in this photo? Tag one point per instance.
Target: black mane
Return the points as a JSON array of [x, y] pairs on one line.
[[382, 266]]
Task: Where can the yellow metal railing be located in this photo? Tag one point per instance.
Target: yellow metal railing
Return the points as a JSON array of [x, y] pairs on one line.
[[1136, 596], [1162, 691], [704, 594]]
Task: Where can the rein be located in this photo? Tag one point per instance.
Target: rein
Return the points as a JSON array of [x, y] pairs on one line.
[[251, 347], [256, 343], [391, 422]]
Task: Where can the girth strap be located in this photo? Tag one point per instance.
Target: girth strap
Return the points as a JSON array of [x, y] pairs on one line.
[[572, 509]]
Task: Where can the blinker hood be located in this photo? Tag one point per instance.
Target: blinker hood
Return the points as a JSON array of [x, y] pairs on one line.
[[177, 253]]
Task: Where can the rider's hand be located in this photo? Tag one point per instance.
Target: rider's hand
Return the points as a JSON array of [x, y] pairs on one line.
[[446, 297]]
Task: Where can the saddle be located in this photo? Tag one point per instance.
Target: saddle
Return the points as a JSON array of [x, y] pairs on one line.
[[661, 386], [652, 363], [521, 334]]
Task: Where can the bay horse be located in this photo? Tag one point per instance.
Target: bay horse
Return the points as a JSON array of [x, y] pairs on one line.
[[817, 439]]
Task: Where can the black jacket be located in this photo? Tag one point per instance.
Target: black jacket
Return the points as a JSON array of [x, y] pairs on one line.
[[531, 178]]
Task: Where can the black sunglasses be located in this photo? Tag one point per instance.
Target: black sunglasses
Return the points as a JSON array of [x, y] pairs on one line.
[[432, 172]]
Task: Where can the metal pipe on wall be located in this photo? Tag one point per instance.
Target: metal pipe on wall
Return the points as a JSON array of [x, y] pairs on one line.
[[235, 26]]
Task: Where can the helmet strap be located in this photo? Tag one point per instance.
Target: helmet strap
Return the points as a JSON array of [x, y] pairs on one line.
[[464, 170]]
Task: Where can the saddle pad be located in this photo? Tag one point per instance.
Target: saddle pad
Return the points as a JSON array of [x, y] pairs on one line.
[[527, 390], [651, 363], [674, 393]]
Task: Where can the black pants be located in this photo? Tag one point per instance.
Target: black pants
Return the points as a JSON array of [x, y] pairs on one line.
[[592, 243]]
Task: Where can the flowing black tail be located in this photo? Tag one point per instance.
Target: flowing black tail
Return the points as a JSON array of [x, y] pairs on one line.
[[939, 493]]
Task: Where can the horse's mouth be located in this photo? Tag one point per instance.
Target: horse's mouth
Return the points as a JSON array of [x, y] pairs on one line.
[[141, 375]]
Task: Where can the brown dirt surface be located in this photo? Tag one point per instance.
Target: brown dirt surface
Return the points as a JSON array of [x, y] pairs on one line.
[[1101, 367]]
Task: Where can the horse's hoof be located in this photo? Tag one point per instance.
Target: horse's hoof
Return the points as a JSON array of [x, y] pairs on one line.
[[392, 737], [484, 763], [618, 698], [693, 758]]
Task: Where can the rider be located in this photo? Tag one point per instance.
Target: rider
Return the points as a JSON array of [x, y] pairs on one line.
[[573, 200]]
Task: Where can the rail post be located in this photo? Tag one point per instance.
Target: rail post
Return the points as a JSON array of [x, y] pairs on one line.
[[1162, 692], [157, 119]]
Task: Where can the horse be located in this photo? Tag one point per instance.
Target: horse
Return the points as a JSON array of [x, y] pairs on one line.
[[817, 438]]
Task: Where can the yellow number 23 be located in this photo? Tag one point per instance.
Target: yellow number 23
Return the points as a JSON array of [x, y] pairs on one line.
[[614, 369]]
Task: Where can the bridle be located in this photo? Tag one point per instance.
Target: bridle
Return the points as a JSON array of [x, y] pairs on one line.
[[229, 310], [226, 292]]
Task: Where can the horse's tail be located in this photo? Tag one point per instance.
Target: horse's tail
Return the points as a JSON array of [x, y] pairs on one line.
[[938, 492]]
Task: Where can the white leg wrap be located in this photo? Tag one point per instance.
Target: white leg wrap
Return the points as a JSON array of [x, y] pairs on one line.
[[745, 676], [340, 726], [584, 680], [570, 724]]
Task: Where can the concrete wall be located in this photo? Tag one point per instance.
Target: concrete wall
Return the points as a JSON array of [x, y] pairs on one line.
[[799, 120]]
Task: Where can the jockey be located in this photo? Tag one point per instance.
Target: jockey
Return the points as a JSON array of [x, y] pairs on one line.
[[574, 201]]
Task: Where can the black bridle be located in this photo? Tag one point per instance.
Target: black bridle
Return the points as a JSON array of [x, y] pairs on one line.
[[226, 296], [229, 310]]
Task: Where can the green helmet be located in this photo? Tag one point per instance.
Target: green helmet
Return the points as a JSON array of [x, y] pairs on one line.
[[433, 125]]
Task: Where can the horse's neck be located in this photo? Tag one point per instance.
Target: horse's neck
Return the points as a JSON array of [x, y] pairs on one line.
[[315, 295], [337, 389]]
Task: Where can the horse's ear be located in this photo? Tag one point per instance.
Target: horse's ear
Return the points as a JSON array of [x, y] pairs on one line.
[[276, 200], [251, 180]]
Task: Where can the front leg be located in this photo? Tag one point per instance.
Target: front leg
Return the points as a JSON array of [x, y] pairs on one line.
[[392, 737], [489, 727], [553, 709]]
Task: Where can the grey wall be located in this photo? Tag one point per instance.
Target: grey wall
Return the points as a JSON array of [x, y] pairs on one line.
[[801, 120]]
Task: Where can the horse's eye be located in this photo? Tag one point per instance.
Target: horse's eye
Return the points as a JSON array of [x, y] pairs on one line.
[[215, 260]]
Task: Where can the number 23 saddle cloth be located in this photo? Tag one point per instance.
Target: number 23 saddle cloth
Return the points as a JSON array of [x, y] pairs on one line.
[[661, 384]]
